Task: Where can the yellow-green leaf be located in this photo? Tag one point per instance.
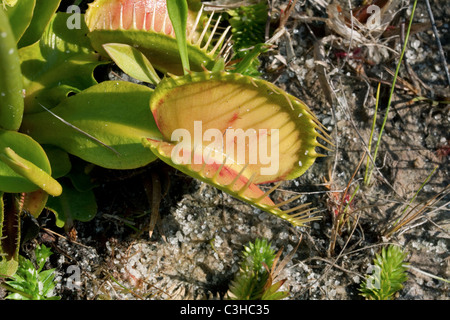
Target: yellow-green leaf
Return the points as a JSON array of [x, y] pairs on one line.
[[132, 62]]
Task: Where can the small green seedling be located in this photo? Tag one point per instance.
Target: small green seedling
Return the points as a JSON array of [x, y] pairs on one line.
[[388, 276], [32, 282], [255, 278]]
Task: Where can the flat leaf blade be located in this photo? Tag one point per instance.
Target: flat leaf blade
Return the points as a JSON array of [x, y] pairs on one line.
[[116, 113], [20, 17], [43, 13], [27, 148], [30, 171], [178, 13], [132, 62], [72, 205], [11, 86], [61, 63]]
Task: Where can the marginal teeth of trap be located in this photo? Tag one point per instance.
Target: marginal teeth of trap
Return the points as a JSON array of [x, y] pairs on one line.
[[197, 20], [199, 41], [212, 33], [298, 215], [221, 39]]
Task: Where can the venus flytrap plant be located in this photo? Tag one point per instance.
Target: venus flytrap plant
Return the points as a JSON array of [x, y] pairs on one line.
[[146, 25], [61, 63], [106, 123], [43, 12], [9, 234], [26, 180], [24, 166], [29, 170], [20, 15], [230, 108], [223, 101], [105, 112]]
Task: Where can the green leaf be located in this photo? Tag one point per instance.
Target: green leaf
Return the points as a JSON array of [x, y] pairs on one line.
[[72, 205], [30, 171], [20, 17], [247, 64], [193, 110], [42, 254], [26, 148], [34, 202], [59, 161], [132, 62], [43, 13], [61, 63], [115, 113], [11, 86], [178, 13]]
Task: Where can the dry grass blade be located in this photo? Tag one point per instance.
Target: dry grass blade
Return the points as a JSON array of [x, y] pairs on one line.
[[420, 209], [276, 269], [286, 14], [153, 190]]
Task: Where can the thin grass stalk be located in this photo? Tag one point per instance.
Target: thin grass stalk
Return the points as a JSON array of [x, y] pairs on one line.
[[426, 273], [397, 70], [413, 213], [403, 216], [417, 192]]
